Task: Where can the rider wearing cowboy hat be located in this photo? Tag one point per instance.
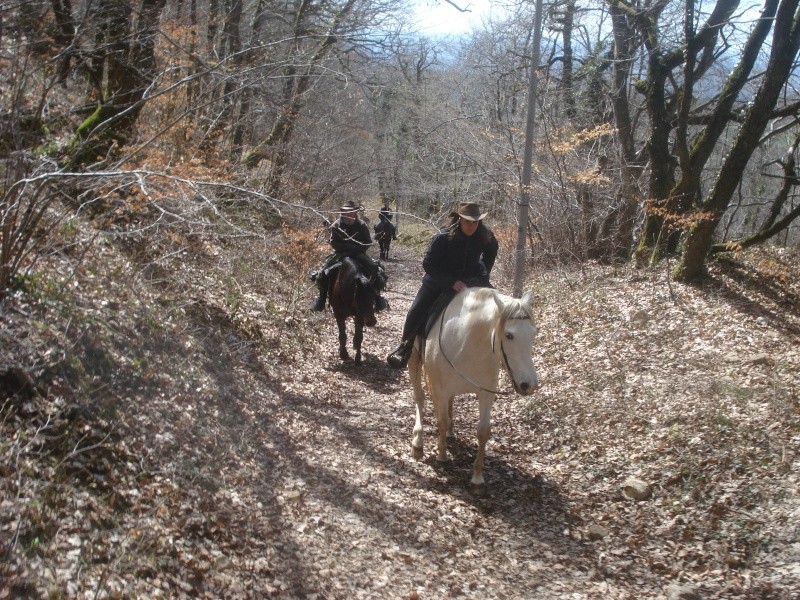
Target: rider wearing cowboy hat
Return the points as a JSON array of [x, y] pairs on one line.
[[385, 221], [460, 256], [349, 236]]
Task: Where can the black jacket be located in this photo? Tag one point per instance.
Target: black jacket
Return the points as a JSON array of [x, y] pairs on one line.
[[352, 238], [453, 257]]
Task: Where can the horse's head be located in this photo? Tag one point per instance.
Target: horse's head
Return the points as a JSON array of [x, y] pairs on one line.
[[364, 300], [515, 332]]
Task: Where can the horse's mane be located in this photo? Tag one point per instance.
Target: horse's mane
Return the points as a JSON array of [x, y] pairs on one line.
[[513, 308], [516, 309]]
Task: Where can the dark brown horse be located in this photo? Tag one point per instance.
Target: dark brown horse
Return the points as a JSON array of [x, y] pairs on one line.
[[384, 232], [352, 295]]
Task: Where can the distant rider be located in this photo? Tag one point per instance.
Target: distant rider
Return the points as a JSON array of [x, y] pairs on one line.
[[385, 221], [349, 236]]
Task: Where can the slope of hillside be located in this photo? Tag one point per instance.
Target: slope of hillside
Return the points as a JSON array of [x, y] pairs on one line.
[[176, 425]]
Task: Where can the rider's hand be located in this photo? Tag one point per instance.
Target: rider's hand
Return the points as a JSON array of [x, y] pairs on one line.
[[459, 285]]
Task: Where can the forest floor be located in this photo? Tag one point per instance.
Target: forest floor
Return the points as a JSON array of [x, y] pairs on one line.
[[199, 439]]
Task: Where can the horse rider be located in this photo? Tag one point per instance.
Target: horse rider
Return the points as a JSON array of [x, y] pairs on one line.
[[349, 236], [460, 256], [385, 221]]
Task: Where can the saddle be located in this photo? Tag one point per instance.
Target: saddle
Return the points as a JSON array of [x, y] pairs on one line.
[[438, 306], [378, 280], [325, 272], [444, 299]]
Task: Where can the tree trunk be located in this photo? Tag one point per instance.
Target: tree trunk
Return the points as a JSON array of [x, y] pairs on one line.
[[666, 211], [243, 128], [62, 10], [567, 90], [618, 228], [527, 161], [295, 90], [662, 164], [624, 38], [130, 69], [785, 43], [772, 225], [229, 51]]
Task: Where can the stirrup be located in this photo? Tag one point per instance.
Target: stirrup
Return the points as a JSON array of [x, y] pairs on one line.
[[399, 358]]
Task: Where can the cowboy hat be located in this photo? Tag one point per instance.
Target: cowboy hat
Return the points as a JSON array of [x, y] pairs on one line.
[[470, 211], [348, 206]]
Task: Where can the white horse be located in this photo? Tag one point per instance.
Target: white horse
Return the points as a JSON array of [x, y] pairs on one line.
[[479, 332]]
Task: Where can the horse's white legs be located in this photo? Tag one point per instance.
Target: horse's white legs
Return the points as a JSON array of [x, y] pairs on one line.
[[485, 402], [415, 374], [444, 421], [451, 434]]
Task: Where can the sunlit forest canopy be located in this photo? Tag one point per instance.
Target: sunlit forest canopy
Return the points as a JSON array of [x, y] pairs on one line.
[[658, 129]]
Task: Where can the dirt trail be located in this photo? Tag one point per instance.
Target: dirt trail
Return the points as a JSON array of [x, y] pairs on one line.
[[249, 461], [369, 521], [365, 520]]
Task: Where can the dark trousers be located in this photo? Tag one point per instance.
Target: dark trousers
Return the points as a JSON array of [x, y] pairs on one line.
[[418, 312], [424, 301], [371, 267]]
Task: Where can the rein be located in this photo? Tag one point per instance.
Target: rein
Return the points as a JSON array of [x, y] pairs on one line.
[[464, 377]]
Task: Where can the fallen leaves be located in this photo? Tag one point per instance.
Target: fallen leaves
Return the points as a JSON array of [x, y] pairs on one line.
[[230, 453]]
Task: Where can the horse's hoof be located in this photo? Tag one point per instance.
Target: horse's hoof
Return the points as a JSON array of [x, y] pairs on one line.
[[416, 453], [344, 355], [358, 359], [478, 489]]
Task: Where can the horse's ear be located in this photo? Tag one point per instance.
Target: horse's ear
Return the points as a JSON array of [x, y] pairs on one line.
[[527, 299], [497, 300]]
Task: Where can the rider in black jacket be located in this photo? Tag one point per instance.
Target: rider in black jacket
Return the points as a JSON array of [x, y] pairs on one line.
[[385, 222], [461, 256], [349, 236]]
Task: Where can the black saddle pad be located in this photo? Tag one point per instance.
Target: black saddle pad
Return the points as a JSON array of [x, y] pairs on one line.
[[438, 306]]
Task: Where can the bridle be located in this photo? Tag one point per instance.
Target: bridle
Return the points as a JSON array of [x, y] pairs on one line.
[[502, 349]]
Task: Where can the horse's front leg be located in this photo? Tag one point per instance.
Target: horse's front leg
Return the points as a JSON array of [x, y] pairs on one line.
[[415, 374], [358, 337], [341, 324], [444, 421], [485, 401]]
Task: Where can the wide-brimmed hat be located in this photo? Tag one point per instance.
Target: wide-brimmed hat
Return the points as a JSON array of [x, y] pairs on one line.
[[470, 211], [348, 206]]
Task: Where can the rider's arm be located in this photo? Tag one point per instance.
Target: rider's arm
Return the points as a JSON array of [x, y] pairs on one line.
[[437, 265], [363, 236], [490, 253], [350, 240]]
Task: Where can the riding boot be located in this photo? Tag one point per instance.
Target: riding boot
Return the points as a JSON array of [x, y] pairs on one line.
[[380, 303], [322, 284], [399, 358]]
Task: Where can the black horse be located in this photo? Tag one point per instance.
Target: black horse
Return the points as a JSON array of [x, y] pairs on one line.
[[352, 295], [385, 232]]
